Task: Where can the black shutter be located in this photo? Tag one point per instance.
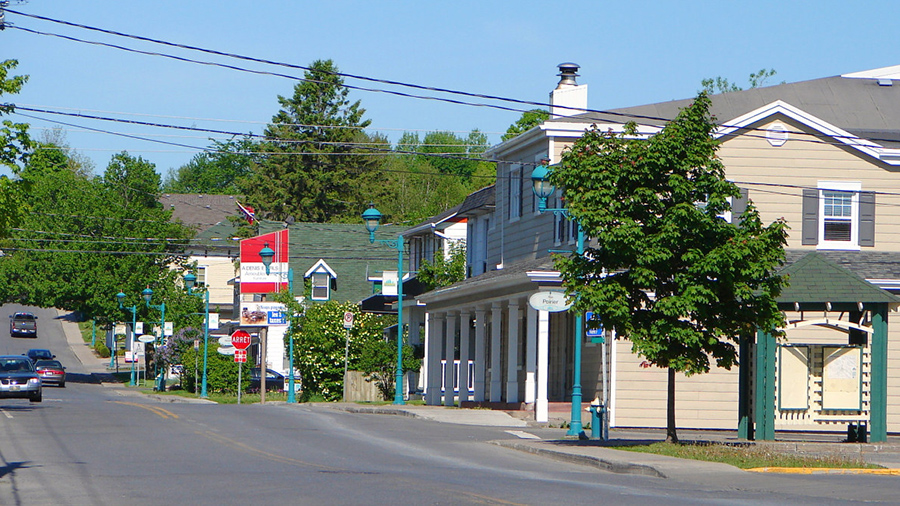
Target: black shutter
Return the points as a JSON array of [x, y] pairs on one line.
[[738, 206], [867, 219], [810, 233]]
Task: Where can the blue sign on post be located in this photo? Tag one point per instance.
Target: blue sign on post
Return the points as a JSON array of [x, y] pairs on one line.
[[596, 334], [277, 318]]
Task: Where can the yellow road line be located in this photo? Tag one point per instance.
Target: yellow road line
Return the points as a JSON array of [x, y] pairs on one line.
[[823, 470], [163, 413]]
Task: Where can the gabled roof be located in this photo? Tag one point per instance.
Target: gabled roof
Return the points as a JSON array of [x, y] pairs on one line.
[[478, 201], [816, 279], [432, 223], [200, 211]]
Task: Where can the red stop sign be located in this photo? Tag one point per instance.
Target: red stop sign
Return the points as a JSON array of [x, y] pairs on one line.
[[240, 339]]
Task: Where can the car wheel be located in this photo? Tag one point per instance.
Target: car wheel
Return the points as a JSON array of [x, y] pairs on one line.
[[62, 385], [36, 398]]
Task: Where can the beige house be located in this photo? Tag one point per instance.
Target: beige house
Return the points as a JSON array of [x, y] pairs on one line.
[[823, 154]]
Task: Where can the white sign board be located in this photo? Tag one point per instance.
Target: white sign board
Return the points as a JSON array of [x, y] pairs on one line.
[[169, 329], [147, 338], [225, 341], [213, 321], [389, 283], [139, 328], [550, 301], [348, 320], [226, 350]]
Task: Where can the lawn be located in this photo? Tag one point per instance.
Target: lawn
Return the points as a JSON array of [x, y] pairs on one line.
[[745, 456]]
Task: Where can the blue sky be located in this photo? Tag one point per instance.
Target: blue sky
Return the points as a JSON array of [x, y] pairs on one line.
[[630, 53]]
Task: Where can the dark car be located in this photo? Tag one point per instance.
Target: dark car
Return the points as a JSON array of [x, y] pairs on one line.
[[274, 380], [36, 354], [51, 372], [18, 379], [22, 325]]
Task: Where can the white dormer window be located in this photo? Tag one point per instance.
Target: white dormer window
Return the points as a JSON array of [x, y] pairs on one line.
[[322, 278]]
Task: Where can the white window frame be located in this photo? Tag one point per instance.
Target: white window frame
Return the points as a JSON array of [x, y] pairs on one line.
[[315, 280], [515, 192], [854, 188], [201, 276]]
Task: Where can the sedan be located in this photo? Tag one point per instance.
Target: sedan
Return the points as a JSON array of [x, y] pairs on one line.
[[274, 380], [18, 379], [52, 372], [36, 354]]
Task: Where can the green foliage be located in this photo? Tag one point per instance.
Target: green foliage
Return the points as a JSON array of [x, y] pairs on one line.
[[316, 164], [711, 281], [529, 120], [444, 271], [15, 145], [378, 360], [216, 171], [721, 85], [221, 370]]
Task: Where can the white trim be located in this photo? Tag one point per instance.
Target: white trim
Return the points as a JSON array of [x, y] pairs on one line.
[[320, 266], [843, 186]]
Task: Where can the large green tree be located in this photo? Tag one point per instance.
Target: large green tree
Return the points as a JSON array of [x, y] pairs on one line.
[[216, 171], [317, 160], [666, 270], [529, 120], [15, 145]]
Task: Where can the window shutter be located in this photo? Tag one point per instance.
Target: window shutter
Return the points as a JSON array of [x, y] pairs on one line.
[[867, 218], [810, 233], [739, 205]]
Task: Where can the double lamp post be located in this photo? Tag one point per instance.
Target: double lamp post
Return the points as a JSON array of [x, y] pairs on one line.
[[147, 294]]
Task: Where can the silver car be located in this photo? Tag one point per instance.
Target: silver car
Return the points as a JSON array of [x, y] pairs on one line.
[[18, 379]]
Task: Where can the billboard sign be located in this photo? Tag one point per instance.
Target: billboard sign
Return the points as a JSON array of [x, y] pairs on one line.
[[263, 314], [253, 272]]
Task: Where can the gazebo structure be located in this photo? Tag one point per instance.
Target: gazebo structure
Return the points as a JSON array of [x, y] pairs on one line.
[[831, 367]]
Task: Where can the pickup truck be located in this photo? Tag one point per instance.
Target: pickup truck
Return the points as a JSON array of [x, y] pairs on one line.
[[22, 325]]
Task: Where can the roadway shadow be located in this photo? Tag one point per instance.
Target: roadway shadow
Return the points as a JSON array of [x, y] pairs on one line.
[[11, 467], [75, 377]]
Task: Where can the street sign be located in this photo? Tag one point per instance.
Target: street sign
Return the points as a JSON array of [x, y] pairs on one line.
[[147, 338], [348, 320], [139, 327], [226, 350], [240, 339], [596, 334], [168, 329], [240, 355], [225, 341]]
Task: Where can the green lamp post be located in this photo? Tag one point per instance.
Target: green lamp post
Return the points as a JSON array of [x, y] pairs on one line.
[[266, 255], [147, 293], [372, 218], [133, 309], [543, 189], [189, 281]]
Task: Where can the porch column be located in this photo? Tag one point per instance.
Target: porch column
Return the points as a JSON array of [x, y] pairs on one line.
[[541, 403], [496, 378], [465, 323], [449, 357], [878, 387], [434, 339], [745, 425], [414, 335], [480, 355], [764, 395], [512, 353], [530, 353]]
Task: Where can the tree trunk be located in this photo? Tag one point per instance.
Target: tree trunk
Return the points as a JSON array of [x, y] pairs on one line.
[[671, 435]]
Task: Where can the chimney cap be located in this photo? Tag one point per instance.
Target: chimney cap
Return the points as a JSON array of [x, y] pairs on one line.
[[567, 74], [568, 67]]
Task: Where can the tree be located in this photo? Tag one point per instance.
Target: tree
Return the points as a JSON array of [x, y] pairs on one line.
[[444, 271], [721, 84], [529, 120], [15, 144], [317, 163], [134, 180], [666, 271], [216, 171]]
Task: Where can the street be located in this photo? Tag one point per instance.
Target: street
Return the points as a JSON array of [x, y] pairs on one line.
[[90, 444]]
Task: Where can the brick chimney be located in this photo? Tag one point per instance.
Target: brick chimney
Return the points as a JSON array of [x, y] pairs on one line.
[[568, 99]]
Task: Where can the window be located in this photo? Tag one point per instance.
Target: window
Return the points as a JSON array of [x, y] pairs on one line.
[[515, 192], [201, 276], [838, 215], [321, 285]]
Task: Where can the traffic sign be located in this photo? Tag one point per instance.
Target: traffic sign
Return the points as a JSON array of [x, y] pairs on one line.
[[348, 320], [146, 338], [240, 355], [240, 339]]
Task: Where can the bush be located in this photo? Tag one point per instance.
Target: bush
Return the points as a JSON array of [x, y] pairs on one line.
[[102, 350]]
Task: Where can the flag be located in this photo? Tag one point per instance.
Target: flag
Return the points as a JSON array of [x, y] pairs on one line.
[[249, 212]]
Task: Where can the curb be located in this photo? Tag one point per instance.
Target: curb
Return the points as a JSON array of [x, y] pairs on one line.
[[823, 470], [613, 466]]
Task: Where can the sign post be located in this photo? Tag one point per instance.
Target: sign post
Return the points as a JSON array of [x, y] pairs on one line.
[[240, 339], [348, 324]]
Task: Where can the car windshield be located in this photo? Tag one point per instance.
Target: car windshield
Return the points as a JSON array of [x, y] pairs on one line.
[[15, 365], [24, 316], [48, 363]]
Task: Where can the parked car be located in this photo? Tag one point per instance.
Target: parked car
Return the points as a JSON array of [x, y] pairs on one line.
[[22, 325], [18, 379], [51, 372], [36, 354], [274, 380]]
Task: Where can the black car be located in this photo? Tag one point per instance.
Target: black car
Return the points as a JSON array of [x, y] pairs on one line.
[[274, 380], [36, 354], [18, 379]]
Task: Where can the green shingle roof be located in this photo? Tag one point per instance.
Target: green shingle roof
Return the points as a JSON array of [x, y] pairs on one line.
[[816, 279], [345, 248]]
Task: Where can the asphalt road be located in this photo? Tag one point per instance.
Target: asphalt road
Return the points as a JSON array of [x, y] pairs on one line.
[[91, 444]]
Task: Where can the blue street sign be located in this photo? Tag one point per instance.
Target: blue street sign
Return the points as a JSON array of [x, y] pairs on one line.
[[596, 334]]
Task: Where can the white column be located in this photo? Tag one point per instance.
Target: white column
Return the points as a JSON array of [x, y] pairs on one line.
[[464, 324], [480, 356], [496, 378], [434, 339], [449, 355], [530, 352], [512, 353], [541, 403]]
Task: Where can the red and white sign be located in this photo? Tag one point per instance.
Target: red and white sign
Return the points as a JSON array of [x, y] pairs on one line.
[[253, 273], [240, 339], [348, 320], [240, 355]]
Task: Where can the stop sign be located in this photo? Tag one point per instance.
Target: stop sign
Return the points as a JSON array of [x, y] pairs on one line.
[[240, 339]]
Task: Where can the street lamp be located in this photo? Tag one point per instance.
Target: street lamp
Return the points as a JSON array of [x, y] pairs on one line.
[[189, 280], [266, 254], [372, 218], [543, 189], [147, 293], [133, 309]]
